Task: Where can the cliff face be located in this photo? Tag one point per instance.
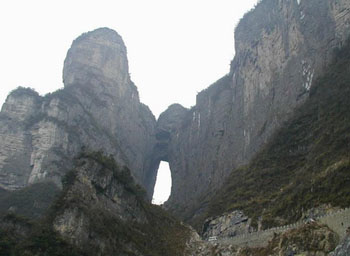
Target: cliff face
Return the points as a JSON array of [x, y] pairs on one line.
[[103, 212], [98, 108], [281, 48], [301, 172], [100, 211]]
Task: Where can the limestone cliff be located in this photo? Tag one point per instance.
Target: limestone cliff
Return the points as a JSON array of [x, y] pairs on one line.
[[281, 47], [103, 212], [100, 211], [99, 108], [302, 172]]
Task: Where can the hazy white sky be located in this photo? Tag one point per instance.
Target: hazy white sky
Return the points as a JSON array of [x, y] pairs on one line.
[[162, 188], [176, 48]]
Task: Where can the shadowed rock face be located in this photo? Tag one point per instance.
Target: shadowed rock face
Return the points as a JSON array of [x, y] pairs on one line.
[[168, 122], [98, 109], [281, 48], [100, 211]]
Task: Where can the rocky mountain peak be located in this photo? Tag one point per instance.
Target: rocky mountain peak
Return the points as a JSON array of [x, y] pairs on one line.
[[173, 116], [20, 104], [97, 59], [281, 49], [98, 109]]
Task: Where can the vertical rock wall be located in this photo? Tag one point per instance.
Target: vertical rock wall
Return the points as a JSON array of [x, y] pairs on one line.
[[98, 109], [281, 47]]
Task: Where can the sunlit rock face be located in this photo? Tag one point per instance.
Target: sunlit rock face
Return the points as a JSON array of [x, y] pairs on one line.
[[98, 109], [281, 48]]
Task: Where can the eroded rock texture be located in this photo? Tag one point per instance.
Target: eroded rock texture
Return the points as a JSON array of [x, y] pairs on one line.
[[102, 211], [281, 48], [343, 248], [98, 109]]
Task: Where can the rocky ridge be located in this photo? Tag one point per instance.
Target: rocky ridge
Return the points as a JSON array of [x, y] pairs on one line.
[[289, 44], [100, 211], [288, 47], [98, 108], [303, 171], [273, 73], [228, 225], [103, 212]]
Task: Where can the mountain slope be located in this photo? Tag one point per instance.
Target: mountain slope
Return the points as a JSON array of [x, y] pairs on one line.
[[281, 48], [306, 164], [101, 211], [98, 108], [31, 202]]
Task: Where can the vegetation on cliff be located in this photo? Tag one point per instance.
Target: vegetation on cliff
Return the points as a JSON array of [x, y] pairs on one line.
[[310, 239], [31, 202], [150, 232], [306, 163], [22, 237]]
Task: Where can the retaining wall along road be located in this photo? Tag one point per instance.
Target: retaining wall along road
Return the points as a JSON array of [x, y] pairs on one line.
[[338, 221]]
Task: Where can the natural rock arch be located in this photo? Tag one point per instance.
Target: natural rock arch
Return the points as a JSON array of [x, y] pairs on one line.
[[167, 123]]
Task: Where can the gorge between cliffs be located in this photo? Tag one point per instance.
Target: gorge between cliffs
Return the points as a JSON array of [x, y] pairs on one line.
[[260, 164]]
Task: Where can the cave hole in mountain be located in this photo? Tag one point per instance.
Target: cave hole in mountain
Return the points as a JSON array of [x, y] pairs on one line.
[[162, 189]]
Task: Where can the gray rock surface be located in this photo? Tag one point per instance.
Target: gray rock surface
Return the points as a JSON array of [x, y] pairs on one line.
[[281, 48], [93, 198], [103, 212], [227, 226], [98, 109], [343, 249], [168, 123]]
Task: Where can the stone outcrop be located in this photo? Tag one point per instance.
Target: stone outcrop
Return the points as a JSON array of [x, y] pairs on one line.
[[96, 194], [98, 109], [343, 248], [226, 226], [281, 48], [168, 123], [103, 212], [100, 211]]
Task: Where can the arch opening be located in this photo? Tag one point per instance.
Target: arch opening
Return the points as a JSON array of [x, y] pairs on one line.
[[162, 188]]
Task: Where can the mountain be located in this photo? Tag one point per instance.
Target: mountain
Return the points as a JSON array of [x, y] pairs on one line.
[[98, 109], [306, 163], [281, 48], [260, 162], [100, 211]]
